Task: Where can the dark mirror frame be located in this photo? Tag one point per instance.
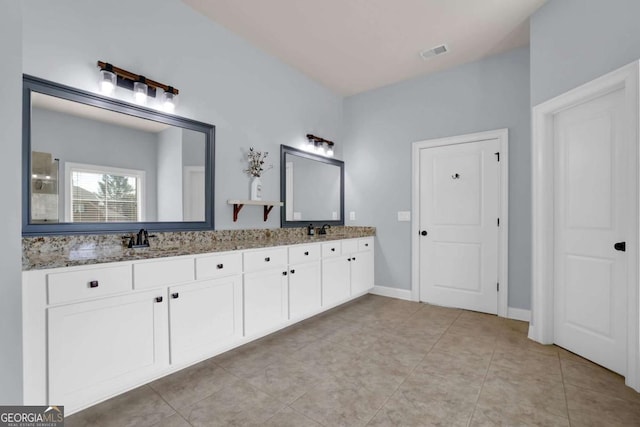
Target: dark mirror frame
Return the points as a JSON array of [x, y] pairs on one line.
[[35, 84], [284, 149]]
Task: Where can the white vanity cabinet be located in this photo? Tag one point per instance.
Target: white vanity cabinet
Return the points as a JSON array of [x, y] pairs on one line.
[[98, 347], [361, 266], [347, 270], [265, 290], [91, 332], [206, 316], [305, 291]]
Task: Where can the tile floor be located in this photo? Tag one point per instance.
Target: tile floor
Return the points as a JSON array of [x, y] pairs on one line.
[[382, 362]]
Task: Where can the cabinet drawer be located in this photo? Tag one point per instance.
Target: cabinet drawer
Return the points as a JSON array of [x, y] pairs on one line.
[[89, 283], [219, 265], [331, 249], [365, 244], [153, 274], [349, 246], [265, 259], [304, 253]]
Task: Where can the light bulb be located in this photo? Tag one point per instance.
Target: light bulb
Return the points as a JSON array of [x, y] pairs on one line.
[[330, 151], [107, 82], [140, 92], [320, 149], [169, 100]]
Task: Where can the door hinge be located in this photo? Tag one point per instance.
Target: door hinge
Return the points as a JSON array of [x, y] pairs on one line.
[[497, 155], [498, 222], [498, 287]]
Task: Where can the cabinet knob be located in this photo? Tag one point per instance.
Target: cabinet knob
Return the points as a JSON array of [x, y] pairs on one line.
[[366, 244], [267, 259], [354, 258], [349, 259], [306, 253], [175, 295], [293, 271], [220, 266], [333, 249], [159, 299], [93, 284], [284, 273]]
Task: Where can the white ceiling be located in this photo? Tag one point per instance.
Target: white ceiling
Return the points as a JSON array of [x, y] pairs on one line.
[[352, 46], [90, 112]]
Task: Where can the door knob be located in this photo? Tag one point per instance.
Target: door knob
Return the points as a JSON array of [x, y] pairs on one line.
[[423, 232], [620, 246]]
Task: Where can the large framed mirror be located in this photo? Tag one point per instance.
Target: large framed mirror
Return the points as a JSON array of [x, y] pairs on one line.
[[312, 188], [96, 164]]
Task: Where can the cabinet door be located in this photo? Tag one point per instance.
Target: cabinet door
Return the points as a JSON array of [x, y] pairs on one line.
[[265, 300], [305, 292], [335, 280], [203, 317], [101, 347], [361, 272]]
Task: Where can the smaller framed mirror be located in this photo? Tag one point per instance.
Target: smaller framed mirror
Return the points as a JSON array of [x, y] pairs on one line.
[[312, 188]]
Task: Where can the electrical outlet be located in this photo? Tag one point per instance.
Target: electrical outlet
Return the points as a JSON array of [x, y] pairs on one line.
[[404, 216], [352, 216], [334, 215]]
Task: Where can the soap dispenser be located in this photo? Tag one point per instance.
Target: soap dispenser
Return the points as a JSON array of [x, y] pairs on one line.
[[311, 231]]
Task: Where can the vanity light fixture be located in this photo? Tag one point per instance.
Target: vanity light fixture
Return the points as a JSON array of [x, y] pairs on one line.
[[142, 87], [319, 145]]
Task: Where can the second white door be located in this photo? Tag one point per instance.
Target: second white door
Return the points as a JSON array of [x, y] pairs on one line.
[[459, 209]]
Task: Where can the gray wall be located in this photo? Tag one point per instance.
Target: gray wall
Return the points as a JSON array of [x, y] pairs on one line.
[[170, 175], [79, 140], [575, 41], [10, 193], [192, 148], [252, 98], [380, 126]]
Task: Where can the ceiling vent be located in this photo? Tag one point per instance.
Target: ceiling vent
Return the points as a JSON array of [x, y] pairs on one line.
[[434, 51]]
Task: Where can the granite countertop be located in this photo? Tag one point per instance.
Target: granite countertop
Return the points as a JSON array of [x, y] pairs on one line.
[[67, 251]]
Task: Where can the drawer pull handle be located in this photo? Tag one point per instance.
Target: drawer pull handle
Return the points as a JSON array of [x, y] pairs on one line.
[[354, 258], [175, 295], [293, 271], [93, 284], [284, 273], [306, 253], [158, 299], [267, 259], [333, 249], [366, 244], [349, 259], [220, 266]]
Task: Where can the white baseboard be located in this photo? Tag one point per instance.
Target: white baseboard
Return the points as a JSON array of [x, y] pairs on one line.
[[386, 291], [519, 314]]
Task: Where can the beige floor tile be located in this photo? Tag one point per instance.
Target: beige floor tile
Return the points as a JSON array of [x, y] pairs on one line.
[[514, 415], [504, 387], [528, 364], [324, 353], [461, 364], [174, 420], [188, 386], [287, 417], [139, 407], [249, 359], [412, 410], [597, 378], [237, 404], [336, 402], [477, 345], [375, 372], [286, 379], [589, 408]]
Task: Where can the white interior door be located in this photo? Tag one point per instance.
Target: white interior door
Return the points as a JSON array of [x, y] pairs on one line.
[[459, 209], [194, 193], [590, 216]]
